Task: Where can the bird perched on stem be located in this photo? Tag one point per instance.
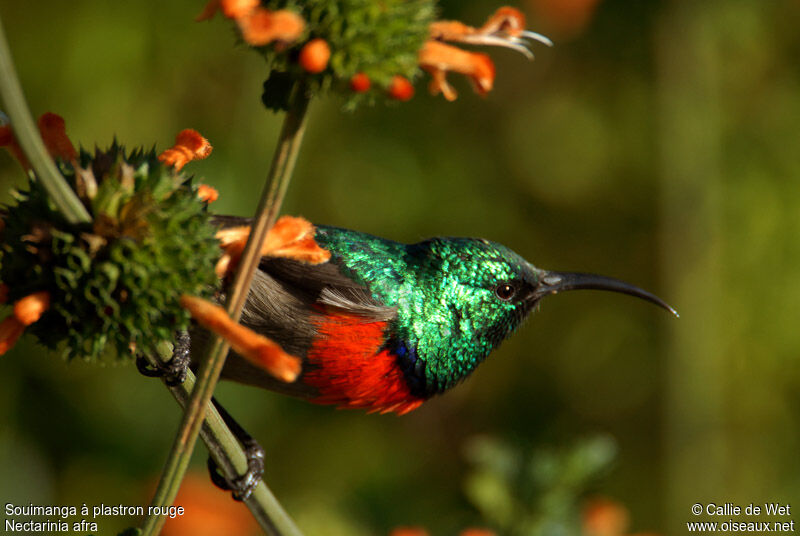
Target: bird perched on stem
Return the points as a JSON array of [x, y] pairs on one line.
[[383, 326]]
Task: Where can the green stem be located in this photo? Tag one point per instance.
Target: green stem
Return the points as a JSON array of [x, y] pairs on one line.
[[224, 448], [28, 137], [277, 181]]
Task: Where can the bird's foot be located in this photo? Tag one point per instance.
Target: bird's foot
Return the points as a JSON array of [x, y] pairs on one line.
[[242, 486], [174, 370]]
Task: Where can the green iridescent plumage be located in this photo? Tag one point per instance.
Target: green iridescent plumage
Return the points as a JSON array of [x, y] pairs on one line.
[[445, 292]]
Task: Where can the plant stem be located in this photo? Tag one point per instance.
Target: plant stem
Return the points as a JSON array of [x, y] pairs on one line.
[[278, 178], [28, 137], [224, 448]]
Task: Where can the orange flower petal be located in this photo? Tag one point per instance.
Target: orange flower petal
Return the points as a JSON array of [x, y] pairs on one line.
[[235, 9], [291, 237], [54, 135], [189, 145], [401, 89], [605, 517], [287, 232], [208, 512], [223, 265], [10, 330], [436, 56], [256, 348], [314, 56], [450, 30], [304, 250], [507, 20], [262, 26], [30, 308], [360, 83], [439, 84], [9, 141], [505, 28], [233, 235], [207, 194]]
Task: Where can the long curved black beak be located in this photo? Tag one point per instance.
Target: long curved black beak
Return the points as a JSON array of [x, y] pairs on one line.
[[554, 282]]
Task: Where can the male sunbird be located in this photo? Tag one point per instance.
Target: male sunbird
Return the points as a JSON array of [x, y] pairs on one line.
[[383, 326]]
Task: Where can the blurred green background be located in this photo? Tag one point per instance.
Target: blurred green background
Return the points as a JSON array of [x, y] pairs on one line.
[[657, 142]]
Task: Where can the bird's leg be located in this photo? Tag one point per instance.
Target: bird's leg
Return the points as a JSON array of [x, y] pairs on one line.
[[243, 485], [173, 371]]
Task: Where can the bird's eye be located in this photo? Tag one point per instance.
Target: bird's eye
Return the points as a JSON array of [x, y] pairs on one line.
[[505, 291]]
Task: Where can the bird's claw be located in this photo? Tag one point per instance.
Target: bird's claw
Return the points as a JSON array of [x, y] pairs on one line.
[[242, 486], [174, 370]]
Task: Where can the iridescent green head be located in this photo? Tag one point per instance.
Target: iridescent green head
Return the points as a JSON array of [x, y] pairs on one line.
[[462, 297]]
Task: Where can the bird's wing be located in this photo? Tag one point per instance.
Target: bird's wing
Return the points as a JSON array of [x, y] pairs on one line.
[[312, 285], [316, 312], [325, 286], [288, 302]]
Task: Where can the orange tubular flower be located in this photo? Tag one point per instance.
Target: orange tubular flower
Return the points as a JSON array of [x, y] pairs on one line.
[[506, 28], [263, 26], [30, 308], [401, 89], [10, 330], [290, 237], [207, 193], [438, 58], [605, 517], [256, 348], [189, 145], [54, 134], [259, 26], [360, 83], [9, 141], [314, 56], [208, 512], [26, 311]]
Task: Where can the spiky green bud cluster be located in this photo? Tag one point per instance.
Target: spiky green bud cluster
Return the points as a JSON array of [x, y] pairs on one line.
[[116, 281], [379, 39]]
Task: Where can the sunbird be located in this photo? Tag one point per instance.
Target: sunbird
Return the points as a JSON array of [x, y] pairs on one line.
[[380, 325], [384, 326]]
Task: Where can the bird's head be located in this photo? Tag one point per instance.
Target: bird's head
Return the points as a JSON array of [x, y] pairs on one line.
[[471, 295]]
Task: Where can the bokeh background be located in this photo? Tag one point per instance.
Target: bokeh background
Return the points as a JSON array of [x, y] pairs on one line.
[[656, 142]]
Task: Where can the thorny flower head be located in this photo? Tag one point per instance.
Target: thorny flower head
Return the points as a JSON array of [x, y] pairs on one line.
[[113, 283], [365, 50], [151, 255]]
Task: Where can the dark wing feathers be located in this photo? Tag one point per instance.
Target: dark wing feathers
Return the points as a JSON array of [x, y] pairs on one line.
[[324, 284], [284, 302], [286, 294]]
